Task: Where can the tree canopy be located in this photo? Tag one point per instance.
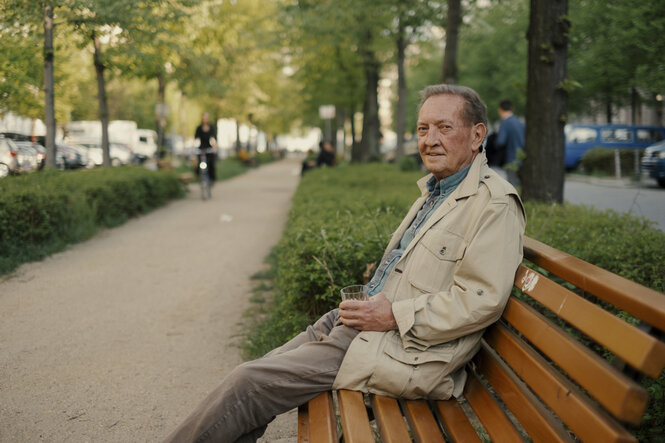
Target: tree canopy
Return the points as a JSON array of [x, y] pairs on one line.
[[272, 64]]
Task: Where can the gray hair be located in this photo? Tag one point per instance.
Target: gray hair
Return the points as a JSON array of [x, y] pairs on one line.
[[474, 110]]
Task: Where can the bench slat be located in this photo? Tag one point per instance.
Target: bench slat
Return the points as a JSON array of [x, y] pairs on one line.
[[457, 424], [422, 422], [624, 398], [355, 421], [587, 421], [322, 427], [538, 422], [637, 348], [488, 411], [389, 418], [303, 424], [638, 300]]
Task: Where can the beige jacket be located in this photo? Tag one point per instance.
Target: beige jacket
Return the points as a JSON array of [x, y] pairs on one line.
[[452, 282]]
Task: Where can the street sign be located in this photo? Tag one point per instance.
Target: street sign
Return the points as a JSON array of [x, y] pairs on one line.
[[327, 112], [162, 109]]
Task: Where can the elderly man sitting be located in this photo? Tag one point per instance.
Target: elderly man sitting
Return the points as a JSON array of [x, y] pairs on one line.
[[446, 275]]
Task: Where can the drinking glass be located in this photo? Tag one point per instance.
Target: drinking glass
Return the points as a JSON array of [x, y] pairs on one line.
[[354, 292]]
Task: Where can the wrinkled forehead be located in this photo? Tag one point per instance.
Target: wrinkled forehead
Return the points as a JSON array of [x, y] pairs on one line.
[[442, 107]]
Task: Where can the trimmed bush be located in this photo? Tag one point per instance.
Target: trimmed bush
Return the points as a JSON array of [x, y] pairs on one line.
[[342, 219], [626, 245], [408, 163], [41, 213], [600, 161]]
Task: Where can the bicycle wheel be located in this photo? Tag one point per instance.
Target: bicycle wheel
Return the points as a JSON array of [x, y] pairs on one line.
[[204, 181]]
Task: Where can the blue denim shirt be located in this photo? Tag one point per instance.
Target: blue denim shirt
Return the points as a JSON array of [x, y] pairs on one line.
[[439, 191]]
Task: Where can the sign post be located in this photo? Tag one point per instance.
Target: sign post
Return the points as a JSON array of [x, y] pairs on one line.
[[327, 113]]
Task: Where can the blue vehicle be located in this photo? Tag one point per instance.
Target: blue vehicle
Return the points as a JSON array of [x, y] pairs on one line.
[[653, 162], [581, 138]]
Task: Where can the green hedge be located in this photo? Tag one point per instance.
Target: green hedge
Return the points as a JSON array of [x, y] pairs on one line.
[[41, 213], [342, 219], [600, 161]]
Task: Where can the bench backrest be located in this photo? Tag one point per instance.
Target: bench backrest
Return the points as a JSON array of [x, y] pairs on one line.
[[561, 360]]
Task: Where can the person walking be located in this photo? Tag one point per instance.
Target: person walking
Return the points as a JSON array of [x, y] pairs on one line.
[[511, 139]]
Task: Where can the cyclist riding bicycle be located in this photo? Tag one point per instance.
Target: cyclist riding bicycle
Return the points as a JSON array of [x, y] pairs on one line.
[[206, 133]]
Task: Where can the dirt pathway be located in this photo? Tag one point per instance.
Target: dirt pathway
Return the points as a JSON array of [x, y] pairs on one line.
[[118, 338]]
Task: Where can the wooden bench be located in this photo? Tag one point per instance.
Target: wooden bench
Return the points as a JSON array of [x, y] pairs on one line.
[[531, 380]]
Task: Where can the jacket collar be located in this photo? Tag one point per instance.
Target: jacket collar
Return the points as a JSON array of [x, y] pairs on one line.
[[469, 185]]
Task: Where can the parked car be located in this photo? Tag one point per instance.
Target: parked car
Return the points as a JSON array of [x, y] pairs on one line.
[[27, 158], [40, 152], [581, 138], [653, 162], [8, 157], [120, 153], [41, 155], [71, 157]]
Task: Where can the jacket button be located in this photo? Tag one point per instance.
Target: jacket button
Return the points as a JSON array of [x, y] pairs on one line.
[[442, 251], [486, 177], [479, 292]]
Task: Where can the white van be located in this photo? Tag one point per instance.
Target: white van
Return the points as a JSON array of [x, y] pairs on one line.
[[146, 145]]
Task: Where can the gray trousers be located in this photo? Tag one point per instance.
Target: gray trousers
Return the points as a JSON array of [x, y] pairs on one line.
[[255, 392]]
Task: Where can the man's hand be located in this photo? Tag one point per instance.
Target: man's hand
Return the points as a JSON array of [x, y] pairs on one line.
[[376, 314]]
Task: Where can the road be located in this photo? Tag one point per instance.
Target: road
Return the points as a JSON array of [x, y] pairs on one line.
[[118, 338], [647, 201]]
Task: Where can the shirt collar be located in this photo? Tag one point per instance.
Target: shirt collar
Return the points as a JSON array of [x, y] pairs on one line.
[[448, 184]]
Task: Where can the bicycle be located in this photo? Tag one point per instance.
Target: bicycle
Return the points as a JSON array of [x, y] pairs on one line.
[[204, 175]]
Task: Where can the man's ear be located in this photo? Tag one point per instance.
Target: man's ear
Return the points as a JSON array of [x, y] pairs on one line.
[[479, 133]]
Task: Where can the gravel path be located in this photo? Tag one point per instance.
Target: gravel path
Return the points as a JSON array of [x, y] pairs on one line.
[[118, 338]]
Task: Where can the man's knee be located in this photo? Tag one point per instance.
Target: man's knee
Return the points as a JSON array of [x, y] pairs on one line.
[[246, 375]]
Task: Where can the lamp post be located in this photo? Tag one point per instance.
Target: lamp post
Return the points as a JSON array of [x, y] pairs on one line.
[[327, 113]]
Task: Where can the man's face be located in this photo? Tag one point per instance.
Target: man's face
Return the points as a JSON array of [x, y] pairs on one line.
[[445, 142]]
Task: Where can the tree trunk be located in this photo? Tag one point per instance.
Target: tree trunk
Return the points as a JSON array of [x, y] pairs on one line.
[[659, 110], [542, 174], [453, 21], [101, 97], [161, 118], [183, 116], [339, 123], [608, 108], [49, 98], [355, 146], [238, 146], [634, 106], [342, 120], [369, 145], [401, 89]]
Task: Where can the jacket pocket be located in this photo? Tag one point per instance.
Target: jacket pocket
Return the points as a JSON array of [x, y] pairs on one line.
[[414, 374], [444, 245], [434, 260]]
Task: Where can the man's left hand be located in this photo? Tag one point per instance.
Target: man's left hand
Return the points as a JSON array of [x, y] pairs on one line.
[[376, 314]]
